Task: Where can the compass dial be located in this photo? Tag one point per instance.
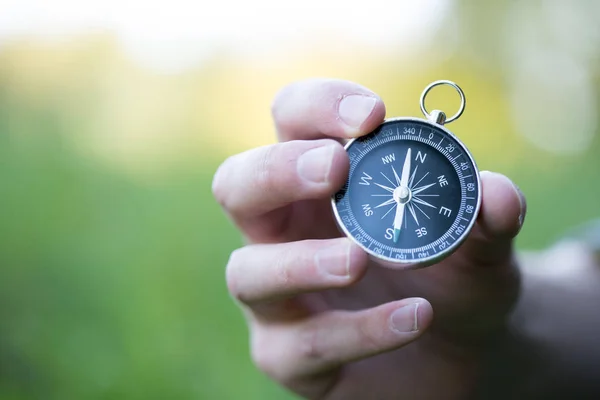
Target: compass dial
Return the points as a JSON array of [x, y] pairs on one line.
[[412, 195]]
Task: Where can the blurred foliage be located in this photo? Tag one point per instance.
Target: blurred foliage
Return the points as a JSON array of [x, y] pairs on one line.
[[113, 249], [110, 286]]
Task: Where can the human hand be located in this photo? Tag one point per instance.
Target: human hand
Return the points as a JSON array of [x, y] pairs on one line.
[[325, 321]]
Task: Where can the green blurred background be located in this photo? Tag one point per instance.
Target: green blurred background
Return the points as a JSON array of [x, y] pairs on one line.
[[113, 249]]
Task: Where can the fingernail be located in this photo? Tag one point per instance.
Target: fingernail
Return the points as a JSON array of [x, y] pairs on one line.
[[405, 318], [314, 165], [355, 109], [334, 260]]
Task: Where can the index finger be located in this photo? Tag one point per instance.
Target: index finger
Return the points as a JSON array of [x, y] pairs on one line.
[[318, 108]]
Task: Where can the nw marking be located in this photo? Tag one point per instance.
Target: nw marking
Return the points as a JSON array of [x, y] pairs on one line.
[[389, 158]]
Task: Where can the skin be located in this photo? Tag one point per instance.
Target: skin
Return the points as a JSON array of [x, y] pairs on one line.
[[328, 323]]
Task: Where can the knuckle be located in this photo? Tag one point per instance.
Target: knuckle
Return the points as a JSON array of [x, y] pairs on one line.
[[219, 189], [278, 99], [265, 173], [309, 346], [254, 170], [264, 357], [282, 267], [367, 337], [295, 100], [282, 98], [232, 272], [264, 360]]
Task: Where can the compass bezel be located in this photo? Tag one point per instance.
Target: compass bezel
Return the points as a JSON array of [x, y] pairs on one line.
[[438, 256]]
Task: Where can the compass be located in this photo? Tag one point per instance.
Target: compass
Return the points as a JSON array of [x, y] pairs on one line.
[[413, 191]]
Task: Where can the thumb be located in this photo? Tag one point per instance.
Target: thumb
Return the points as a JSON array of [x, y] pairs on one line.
[[473, 290], [503, 209]]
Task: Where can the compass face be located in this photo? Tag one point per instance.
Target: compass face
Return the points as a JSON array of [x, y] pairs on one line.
[[413, 192]]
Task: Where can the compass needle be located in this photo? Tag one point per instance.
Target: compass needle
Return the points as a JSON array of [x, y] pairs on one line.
[[406, 169], [398, 221], [427, 198]]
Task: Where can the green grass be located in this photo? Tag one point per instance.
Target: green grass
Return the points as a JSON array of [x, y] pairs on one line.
[[112, 289]]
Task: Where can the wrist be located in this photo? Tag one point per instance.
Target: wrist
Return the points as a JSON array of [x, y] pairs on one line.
[[510, 366], [504, 365]]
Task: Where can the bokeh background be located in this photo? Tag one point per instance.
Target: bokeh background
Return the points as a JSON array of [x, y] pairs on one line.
[[114, 115]]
